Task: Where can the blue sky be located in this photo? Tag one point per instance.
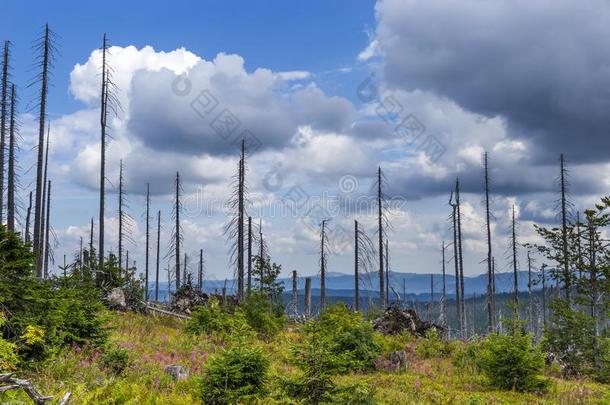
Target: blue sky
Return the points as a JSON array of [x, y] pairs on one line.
[[318, 36], [474, 76]]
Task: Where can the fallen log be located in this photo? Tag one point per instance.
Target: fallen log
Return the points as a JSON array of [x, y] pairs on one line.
[[153, 308], [26, 385]]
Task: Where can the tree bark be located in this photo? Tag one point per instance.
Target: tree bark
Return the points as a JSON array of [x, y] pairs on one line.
[[39, 166], [382, 296], [356, 273], [10, 203], [158, 256], [147, 239]]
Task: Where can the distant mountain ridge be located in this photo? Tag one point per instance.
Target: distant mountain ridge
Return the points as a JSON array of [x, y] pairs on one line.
[[416, 284]]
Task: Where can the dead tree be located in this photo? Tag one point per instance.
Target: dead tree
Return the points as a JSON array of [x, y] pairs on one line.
[[108, 104], [514, 257], [456, 262], [380, 215], [45, 49], [158, 256], [147, 239], [564, 230], [46, 237], [3, 119], [27, 220], [121, 216], [240, 225], [249, 288], [530, 300], [91, 247], [387, 272], [176, 236], [307, 303], [490, 311], [12, 184], [461, 257], [43, 244], [579, 245], [200, 276], [234, 229], [294, 298], [356, 272], [323, 249], [364, 252]]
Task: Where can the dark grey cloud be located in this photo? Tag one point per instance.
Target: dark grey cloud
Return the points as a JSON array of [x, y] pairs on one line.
[[543, 65], [261, 107]]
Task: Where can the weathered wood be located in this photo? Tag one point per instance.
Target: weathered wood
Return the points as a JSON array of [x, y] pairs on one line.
[[64, 400], [164, 312], [26, 385]]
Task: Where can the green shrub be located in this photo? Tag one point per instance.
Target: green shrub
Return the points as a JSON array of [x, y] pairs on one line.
[[314, 384], [8, 354], [433, 346], [569, 337], [212, 318], [262, 315], [464, 355], [67, 309], [347, 337], [237, 373], [115, 359], [512, 362]]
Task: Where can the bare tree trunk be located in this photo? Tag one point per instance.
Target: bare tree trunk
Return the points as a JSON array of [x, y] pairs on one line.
[[103, 118], [323, 265], [564, 233], [3, 120], [158, 256], [10, 203], [261, 253], [186, 276], [240, 225], [120, 215], [444, 292], [515, 275], [293, 300], [27, 220], [456, 262], [307, 304], [46, 238], [387, 273], [200, 277], [490, 318], [493, 287], [46, 49], [356, 273], [91, 248], [147, 238], [530, 303], [459, 237], [579, 244], [382, 297], [177, 233], [249, 255], [43, 244]]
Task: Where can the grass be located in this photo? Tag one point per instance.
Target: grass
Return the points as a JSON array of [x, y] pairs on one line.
[[154, 342]]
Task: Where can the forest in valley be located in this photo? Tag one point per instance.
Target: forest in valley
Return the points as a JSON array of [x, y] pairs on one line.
[[96, 327]]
